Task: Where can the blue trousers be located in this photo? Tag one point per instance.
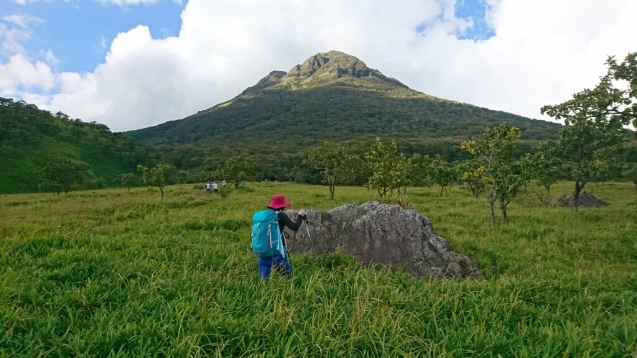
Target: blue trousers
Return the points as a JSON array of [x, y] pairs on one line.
[[279, 262]]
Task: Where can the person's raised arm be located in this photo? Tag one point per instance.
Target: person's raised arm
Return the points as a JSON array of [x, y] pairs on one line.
[[292, 225]]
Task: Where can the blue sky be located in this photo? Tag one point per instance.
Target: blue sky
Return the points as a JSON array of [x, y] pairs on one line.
[[476, 11], [135, 63], [79, 32]]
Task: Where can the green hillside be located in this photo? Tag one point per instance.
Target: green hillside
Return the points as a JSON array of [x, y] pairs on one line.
[[29, 136], [330, 96], [337, 111], [335, 96]]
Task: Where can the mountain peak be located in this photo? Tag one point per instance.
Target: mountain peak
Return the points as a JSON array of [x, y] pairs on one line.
[[327, 68], [332, 62]]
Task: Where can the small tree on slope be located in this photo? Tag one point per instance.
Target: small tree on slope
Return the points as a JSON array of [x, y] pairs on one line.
[[390, 170], [238, 169], [61, 174], [500, 171], [335, 163], [593, 130], [159, 176]]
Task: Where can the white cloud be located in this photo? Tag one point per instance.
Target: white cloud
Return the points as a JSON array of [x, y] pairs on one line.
[[24, 2], [19, 71], [50, 58], [22, 21], [14, 31], [543, 51]]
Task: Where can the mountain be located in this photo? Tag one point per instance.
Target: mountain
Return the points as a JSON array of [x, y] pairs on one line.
[[335, 96], [29, 136]]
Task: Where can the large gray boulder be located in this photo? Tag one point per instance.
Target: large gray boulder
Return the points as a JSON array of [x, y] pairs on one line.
[[381, 234], [585, 200]]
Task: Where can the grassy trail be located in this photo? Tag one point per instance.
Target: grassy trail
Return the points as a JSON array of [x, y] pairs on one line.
[[109, 273]]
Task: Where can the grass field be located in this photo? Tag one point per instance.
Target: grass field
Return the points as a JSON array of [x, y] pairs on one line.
[[110, 273]]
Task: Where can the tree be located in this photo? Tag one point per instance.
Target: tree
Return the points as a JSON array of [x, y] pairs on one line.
[[541, 166], [611, 104], [159, 176], [630, 173], [442, 173], [625, 76], [404, 170], [501, 173], [585, 152], [471, 174], [128, 180], [95, 183], [413, 171], [182, 177], [59, 174], [390, 170], [593, 130], [335, 163], [420, 170], [49, 186], [237, 169], [629, 169]]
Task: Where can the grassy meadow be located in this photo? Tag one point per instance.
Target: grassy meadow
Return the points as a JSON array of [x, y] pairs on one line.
[[111, 273]]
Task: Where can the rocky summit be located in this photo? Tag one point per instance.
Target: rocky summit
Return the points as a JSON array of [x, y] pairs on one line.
[[325, 69]]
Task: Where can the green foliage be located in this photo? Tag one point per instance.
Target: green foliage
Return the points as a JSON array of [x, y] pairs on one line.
[[337, 113], [593, 133], [502, 174], [285, 161], [352, 114], [625, 77], [30, 135], [95, 183], [442, 173], [107, 273], [182, 177], [61, 174], [390, 170], [611, 104], [50, 187], [159, 176], [335, 163], [630, 173], [471, 175], [629, 163], [543, 167], [128, 180], [586, 151], [238, 169]]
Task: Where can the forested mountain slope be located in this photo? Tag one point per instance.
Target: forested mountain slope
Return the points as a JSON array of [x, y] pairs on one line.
[[29, 136], [335, 96]]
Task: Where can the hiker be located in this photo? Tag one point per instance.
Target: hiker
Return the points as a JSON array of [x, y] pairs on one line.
[[208, 187], [215, 188], [276, 256]]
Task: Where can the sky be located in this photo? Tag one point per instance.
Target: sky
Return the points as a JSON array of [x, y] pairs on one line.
[[132, 64]]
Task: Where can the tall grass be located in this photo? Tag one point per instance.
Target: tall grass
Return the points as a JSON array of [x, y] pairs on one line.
[[116, 274]]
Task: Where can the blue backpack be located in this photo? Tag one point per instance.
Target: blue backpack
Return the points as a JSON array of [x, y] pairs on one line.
[[266, 235]]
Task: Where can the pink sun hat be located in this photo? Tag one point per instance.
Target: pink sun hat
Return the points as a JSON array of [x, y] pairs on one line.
[[278, 202]]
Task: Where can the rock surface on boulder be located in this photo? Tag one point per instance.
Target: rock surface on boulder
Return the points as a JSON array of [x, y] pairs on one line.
[[381, 234], [586, 200]]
